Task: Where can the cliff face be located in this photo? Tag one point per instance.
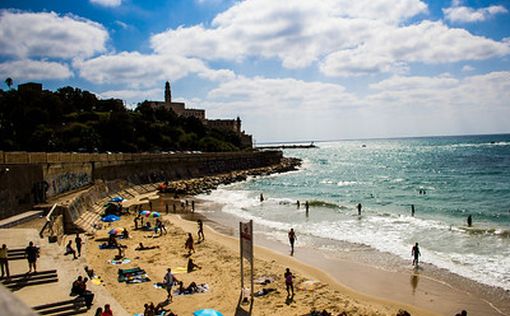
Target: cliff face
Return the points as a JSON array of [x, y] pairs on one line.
[[27, 179]]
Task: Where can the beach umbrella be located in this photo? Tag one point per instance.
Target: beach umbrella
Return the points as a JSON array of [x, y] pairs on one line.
[[116, 231], [207, 312], [153, 215], [144, 212], [117, 199], [110, 218]]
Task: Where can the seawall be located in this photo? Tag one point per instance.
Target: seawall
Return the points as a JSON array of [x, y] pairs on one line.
[[30, 178]]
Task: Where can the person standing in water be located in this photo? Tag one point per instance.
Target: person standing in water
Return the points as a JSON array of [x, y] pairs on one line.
[[412, 210], [261, 197], [292, 239], [359, 209], [469, 221], [415, 252], [307, 208]]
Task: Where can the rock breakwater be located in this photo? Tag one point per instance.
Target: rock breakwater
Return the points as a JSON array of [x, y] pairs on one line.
[[209, 183]]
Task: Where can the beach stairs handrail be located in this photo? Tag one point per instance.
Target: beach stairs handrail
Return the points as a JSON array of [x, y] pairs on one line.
[[50, 220], [19, 281], [63, 308]]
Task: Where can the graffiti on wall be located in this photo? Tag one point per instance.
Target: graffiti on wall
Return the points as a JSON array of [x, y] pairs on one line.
[[39, 190], [68, 181]]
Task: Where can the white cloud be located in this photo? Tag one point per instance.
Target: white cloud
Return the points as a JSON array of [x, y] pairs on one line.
[[394, 48], [24, 34], [279, 109], [139, 70], [34, 70], [467, 68], [107, 3], [462, 14], [343, 37]]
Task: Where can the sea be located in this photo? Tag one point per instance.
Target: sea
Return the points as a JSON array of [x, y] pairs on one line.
[[445, 178]]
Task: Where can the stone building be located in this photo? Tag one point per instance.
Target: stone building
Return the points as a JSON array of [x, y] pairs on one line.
[[179, 108]]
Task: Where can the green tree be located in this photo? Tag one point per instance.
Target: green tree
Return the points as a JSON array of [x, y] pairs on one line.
[[9, 82]]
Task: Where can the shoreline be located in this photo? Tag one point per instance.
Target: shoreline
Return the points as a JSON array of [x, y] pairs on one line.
[[429, 288]]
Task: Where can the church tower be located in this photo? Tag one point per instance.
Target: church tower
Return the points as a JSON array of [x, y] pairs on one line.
[[168, 93]]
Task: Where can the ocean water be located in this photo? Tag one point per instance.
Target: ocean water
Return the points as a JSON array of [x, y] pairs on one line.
[[460, 175]]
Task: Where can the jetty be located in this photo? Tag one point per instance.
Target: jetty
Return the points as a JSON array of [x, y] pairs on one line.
[[290, 146]]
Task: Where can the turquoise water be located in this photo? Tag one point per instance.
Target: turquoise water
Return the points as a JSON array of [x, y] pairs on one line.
[[460, 175]]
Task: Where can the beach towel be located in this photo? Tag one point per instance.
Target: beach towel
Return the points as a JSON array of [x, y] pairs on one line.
[[202, 288], [106, 246], [96, 281], [138, 279], [179, 270], [264, 280], [263, 292], [133, 275], [121, 261]]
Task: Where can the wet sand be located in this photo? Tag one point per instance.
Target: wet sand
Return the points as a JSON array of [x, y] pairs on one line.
[[386, 276]]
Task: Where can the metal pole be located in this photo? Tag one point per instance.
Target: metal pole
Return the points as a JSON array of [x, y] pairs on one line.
[[241, 247], [252, 259]]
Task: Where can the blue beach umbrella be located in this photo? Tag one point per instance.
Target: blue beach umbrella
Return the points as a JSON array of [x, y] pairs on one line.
[[207, 312], [110, 218], [117, 199]]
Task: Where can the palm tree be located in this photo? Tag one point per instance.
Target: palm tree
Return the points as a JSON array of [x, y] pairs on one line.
[[9, 82]]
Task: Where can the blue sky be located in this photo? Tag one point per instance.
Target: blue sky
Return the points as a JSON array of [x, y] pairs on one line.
[[292, 70]]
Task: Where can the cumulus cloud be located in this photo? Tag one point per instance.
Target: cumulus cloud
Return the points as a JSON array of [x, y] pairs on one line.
[[426, 42], [467, 68], [107, 3], [25, 34], [277, 109], [343, 37], [139, 70], [34, 70], [462, 14]]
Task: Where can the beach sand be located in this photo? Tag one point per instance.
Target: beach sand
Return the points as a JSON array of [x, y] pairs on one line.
[[219, 259]]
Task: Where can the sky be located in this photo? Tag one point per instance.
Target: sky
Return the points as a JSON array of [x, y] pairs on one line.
[[292, 70]]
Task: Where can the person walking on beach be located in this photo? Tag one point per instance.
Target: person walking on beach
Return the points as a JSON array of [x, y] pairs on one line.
[[31, 253], [307, 208], [261, 197], [200, 232], [412, 210], [78, 242], [298, 204], [4, 261], [415, 252], [193, 206], [289, 282], [469, 221], [292, 239], [169, 281], [188, 245], [359, 209]]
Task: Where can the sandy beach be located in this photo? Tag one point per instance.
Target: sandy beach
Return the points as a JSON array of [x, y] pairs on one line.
[[219, 261]]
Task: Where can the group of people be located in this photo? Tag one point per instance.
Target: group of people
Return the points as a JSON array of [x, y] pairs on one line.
[[79, 288], [106, 311], [69, 247]]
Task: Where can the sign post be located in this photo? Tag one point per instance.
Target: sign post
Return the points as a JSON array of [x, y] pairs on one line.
[[246, 244]]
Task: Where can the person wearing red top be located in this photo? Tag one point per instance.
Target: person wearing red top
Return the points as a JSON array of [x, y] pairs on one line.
[[107, 311]]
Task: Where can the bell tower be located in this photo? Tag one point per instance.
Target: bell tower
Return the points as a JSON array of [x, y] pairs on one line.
[[168, 93]]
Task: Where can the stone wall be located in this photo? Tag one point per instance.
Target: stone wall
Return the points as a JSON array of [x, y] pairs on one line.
[[29, 178]]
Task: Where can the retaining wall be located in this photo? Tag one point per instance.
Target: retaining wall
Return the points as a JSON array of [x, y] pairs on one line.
[[29, 178]]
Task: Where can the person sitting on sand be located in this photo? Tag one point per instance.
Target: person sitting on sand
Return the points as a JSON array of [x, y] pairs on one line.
[[76, 288], [142, 247], [112, 242], [188, 245], [70, 250], [192, 265], [190, 289], [125, 234], [90, 272]]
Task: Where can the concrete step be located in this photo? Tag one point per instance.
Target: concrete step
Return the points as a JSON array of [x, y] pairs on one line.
[[20, 218]]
